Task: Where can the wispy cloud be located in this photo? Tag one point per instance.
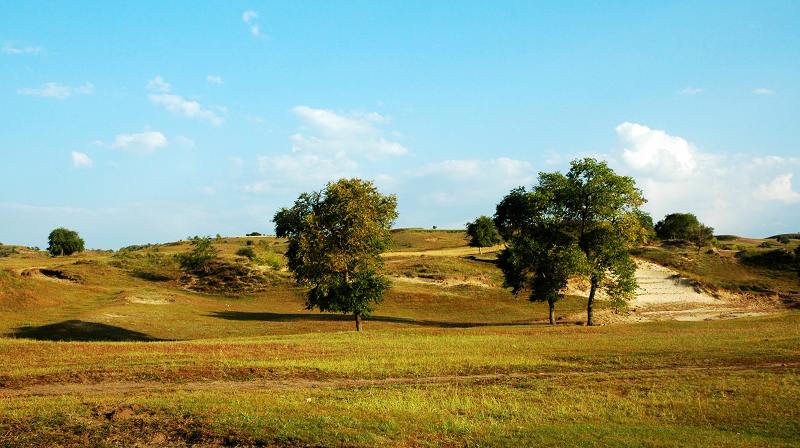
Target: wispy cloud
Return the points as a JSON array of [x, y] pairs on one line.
[[81, 160], [9, 48], [250, 18], [692, 91], [57, 91], [215, 79], [159, 85], [331, 132], [177, 104], [763, 91], [143, 142]]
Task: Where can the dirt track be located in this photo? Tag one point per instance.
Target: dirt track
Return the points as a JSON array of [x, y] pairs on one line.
[[127, 387]]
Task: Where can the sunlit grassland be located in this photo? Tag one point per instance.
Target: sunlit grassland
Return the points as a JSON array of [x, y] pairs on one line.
[[449, 358], [722, 383]]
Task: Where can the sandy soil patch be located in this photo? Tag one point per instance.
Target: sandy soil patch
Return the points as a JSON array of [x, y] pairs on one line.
[[664, 294], [146, 298], [450, 282]]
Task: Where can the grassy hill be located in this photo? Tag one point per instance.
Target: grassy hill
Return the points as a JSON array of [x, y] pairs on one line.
[[449, 359], [751, 267], [142, 290]]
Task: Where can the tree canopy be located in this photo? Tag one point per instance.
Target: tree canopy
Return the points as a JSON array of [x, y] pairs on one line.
[[541, 255], [677, 226], [64, 242], [584, 222], [336, 237], [482, 233]]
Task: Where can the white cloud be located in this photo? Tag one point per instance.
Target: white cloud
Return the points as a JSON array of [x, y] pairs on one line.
[[692, 91], [779, 189], [158, 84], [142, 143], [763, 91], [57, 91], [250, 18], [81, 160], [655, 152], [179, 105], [188, 108], [329, 132], [732, 193], [9, 48], [215, 79]]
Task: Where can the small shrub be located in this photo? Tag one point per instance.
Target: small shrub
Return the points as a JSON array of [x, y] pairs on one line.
[[6, 251], [271, 259], [134, 247], [198, 258], [774, 259], [246, 252], [783, 239], [249, 242]]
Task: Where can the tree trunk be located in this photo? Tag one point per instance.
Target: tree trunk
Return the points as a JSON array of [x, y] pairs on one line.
[[589, 320], [480, 250], [358, 321], [552, 313]]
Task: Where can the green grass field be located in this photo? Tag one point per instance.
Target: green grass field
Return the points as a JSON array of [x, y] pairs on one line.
[[111, 349]]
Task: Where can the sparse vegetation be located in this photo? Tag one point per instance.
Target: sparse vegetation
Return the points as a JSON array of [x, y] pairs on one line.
[[197, 260]]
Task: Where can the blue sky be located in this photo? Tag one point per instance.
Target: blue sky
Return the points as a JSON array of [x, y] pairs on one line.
[[153, 121]]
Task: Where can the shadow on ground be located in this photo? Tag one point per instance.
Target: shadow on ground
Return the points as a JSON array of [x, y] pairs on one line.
[[290, 317], [78, 330]]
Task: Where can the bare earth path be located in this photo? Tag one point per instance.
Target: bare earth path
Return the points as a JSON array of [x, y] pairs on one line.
[[126, 387]]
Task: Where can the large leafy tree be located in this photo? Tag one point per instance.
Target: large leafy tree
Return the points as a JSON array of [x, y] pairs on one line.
[[64, 242], [603, 208], [482, 233], [592, 211], [540, 254], [336, 237]]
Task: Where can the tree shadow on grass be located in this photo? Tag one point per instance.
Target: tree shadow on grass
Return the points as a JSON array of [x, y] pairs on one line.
[[313, 317], [78, 330]]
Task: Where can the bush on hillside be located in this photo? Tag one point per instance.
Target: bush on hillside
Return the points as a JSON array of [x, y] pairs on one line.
[[781, 259], [6, 251], [246, 252], [197, 259]]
